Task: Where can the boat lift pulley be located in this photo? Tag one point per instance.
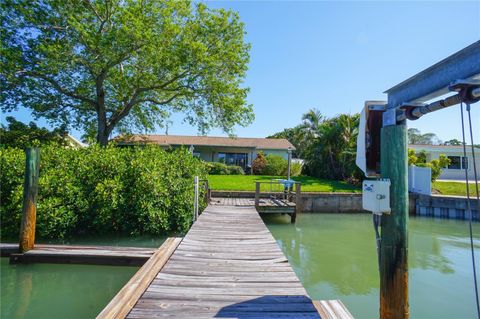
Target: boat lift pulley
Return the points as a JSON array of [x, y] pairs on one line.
[[468, 92]]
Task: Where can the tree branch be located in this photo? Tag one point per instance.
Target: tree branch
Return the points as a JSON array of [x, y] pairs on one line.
[[124, 112], [59, 88], [115, 118], [159, 102]]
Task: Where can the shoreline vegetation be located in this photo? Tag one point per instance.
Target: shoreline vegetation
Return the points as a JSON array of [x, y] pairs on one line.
[[96, 190]]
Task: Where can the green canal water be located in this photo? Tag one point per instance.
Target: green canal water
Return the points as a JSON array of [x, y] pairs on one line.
[[335, 258], [65, 291], [333, 255]]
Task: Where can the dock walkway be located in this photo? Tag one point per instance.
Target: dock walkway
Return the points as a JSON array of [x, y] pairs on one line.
[[227, 266]]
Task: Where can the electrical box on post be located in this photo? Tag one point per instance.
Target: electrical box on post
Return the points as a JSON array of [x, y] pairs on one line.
[[376, 196]]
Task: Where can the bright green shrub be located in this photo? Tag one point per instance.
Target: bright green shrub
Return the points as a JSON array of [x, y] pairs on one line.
[[295, 169], [436, 166], [218, 168], [420, 159], [276, 165], [235, 170], [12, 170], [96, 190]]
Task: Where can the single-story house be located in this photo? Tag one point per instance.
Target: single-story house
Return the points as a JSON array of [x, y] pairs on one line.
[[458, 162], [239, 151]]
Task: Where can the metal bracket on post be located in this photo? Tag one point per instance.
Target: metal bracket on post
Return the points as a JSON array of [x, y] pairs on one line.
[[469, 90], [389, 117]]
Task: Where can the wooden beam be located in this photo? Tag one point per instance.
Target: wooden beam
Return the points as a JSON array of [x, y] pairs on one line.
[[30, 190], [127, 297], [394, 249], [68, 254]]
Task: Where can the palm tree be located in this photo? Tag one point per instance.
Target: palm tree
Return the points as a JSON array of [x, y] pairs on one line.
[[311, 121]]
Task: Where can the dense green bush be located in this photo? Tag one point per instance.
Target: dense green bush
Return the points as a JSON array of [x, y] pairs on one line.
[[97, 190], [276, 165], [420, 159], [217, 168], [295, 169]]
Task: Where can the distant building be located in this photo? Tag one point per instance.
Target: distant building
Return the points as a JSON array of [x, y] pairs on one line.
[[72, 142], [457, 161], [239, 151]]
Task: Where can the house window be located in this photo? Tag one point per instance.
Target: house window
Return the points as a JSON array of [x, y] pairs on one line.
[[239, 159], [196, 154], [458, 162]]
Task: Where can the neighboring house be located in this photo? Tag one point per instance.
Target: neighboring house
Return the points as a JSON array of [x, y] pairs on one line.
[[239, 151], [73, 142], [458, 162]]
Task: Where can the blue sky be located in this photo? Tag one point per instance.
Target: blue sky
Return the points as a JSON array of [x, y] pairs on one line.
[[335, 55]]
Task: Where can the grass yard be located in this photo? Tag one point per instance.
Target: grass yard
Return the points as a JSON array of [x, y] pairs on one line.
[[247, 183], [454, 188]]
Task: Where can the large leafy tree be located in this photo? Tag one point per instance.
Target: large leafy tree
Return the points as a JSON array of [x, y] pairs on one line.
[[18, 134], [123, 65], [416, 137]]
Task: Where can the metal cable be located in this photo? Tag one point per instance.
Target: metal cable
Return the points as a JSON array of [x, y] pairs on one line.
[[377, 219], [469, 208]]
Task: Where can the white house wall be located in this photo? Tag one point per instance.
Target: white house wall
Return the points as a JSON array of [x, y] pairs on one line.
[[453, 174]]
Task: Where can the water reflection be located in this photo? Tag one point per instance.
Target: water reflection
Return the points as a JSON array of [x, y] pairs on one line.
[[335, 257], [58, 291]]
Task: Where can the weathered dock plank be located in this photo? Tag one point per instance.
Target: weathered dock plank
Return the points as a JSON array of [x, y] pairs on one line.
[[227, 266], [68, 254], [332, 309], [128, 296]]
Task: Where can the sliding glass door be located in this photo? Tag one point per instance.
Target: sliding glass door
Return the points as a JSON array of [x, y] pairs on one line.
[[239, 159]]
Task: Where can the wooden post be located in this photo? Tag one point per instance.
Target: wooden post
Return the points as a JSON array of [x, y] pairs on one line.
[[257, 194], [298, 202], [298, 196], [30, 190], [195, 201], [394, 246]]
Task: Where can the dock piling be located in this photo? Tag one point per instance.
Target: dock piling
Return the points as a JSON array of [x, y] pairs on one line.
[[30, 190]]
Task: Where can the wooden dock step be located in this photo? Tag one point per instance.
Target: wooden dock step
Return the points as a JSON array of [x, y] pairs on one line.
[[67, 254]]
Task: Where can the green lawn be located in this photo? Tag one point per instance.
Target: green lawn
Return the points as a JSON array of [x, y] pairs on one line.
[[247, 183], [454, 188]]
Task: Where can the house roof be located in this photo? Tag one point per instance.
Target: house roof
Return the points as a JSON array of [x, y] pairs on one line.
[[169, 140]]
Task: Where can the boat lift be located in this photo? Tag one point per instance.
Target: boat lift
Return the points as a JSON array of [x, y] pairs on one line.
[[382, 153]]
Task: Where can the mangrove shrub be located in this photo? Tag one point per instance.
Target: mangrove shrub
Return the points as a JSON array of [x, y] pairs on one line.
[[142, 190]]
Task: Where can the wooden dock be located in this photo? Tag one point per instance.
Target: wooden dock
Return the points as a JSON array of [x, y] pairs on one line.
[[227, 266], [67, 254], [280, 197]]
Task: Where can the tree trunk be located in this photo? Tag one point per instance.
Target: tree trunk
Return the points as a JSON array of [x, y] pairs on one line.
[[102, 129]]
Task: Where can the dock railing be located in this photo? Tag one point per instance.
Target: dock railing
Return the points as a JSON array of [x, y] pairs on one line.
[[279, 190], [199, 184]]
